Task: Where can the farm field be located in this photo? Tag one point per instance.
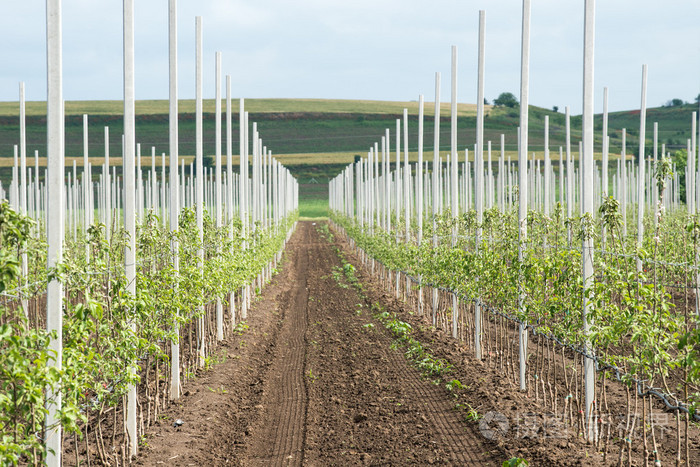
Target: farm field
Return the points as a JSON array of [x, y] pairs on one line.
[[307, 281], [160, 107], [460, 386]]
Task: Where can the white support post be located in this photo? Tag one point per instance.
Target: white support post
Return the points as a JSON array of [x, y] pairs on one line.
[[387, 176], [605, 144], [243, 168], [376, 188], [488, 184], [454, 202], [86, 185], [587, 197], [397, 184], [569, 171], [622, 193], [690, 179], [174, 204], [436, 181], [523, 188], [107, 216], [641, 177], [139, 190], [406, 190], [547, 168], [154, 181], [384, 183], [129, 201], [256, 182], [14, 202], [419, 189], [605, 183], [654, 187], [23, 187], [22, 164], [696, 176], [199, 154], [54, 225], [244, 202], [561, 175], [229, 183], [163, 191], [406, 180], [219, 199], [479, 167], [37, 192], [502, 175]]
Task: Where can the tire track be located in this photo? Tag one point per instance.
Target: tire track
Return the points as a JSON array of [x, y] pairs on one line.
[[220, 407], [280, 437], [461, 439]]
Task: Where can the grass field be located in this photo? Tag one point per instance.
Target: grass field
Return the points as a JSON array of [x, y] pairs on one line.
[[282, 133], [313, 200], [158, 107], [313, 208], [335, 137]]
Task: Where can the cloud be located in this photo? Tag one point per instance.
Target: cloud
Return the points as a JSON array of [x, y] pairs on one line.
[[242, 15], [380, 49]]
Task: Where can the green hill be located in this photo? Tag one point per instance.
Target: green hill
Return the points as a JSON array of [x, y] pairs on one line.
[[305, 127], [155, 107]]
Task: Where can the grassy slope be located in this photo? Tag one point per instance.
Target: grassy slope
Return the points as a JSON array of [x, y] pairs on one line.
[[156, 107], [284, 133], [674, 125], [316, 138]]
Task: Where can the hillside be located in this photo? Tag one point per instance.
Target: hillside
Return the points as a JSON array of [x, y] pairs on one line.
[[156, 107], [339, 129]]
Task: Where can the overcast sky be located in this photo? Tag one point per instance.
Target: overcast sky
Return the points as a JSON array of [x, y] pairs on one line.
[[361, 49]]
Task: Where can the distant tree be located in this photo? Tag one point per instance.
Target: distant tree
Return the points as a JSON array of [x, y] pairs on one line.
[[486, 101], [506, 99], [675, 102], [555, 108], [697, 99], [680, 157]]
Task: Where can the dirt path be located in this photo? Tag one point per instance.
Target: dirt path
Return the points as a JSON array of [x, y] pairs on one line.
[[279, 438], [315, 381]]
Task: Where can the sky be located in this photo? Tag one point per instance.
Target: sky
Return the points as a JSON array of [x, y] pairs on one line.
[[361, 49]]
